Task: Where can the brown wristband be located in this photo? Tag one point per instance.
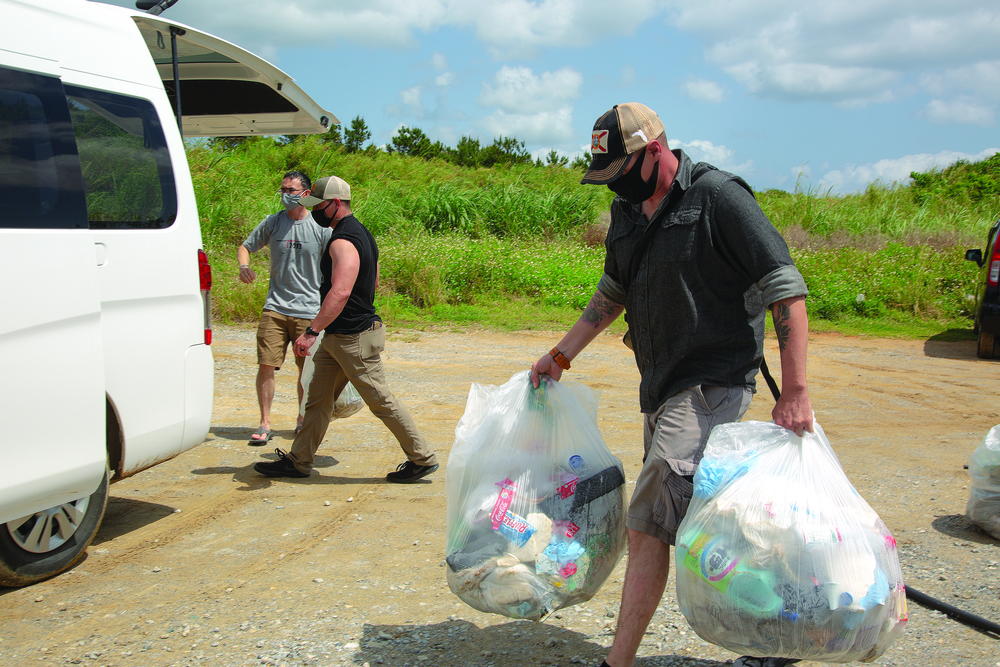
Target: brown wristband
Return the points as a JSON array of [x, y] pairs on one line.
[[560, 358]]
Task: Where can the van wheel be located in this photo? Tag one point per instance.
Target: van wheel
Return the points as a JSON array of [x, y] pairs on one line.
[[43, 544], [986, 341]]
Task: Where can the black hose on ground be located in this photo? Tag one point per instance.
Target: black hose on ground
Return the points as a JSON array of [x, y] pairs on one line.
[[958, 614]]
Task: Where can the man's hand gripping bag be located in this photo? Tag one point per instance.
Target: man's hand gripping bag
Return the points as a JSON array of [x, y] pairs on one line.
[[778, 554], [536, 499]]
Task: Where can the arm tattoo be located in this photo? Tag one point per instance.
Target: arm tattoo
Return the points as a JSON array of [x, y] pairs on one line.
[[782, 317], [599, 308]]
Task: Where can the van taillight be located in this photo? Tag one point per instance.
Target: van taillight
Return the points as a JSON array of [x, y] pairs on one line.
[[205, 277]]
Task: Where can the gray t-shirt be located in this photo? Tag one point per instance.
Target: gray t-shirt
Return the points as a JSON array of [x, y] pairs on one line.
[[296, 249]]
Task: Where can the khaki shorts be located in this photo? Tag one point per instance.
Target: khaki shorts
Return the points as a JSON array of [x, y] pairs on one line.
[[274, 333], [674, 441]]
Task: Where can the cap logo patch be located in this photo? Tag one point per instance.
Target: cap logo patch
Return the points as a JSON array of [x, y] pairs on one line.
[[599, 141]]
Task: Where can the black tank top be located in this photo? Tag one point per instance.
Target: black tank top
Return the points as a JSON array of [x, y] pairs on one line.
[[359, 311]]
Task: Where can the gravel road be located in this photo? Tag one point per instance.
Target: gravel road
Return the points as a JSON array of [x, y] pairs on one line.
[[200, 561]]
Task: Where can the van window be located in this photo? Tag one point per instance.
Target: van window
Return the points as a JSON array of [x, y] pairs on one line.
[[40, 184], [126, 166]]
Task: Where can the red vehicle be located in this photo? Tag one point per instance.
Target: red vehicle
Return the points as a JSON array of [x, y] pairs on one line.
[[988, 292]]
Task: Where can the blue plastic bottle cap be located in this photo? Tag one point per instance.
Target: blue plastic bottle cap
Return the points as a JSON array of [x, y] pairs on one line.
[[575, 461]]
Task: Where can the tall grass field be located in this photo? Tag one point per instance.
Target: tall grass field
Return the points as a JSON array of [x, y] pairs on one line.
[[521, 246]]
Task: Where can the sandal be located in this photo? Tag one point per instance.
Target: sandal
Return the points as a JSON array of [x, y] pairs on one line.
[[258, 441]]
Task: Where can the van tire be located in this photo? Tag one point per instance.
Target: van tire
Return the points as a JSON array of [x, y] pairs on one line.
[[986, 343], [20, 565]]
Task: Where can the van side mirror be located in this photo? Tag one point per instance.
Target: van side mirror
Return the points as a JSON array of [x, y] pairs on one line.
[[974, 255]]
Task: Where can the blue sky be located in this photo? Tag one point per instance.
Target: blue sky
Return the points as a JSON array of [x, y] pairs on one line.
[[828, 95]]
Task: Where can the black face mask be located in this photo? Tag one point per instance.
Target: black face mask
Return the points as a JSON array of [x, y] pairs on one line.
[[632, 188], [321, 217]]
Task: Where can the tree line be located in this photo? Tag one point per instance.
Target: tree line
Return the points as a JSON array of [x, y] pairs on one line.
[[974, 180], [412, 141]]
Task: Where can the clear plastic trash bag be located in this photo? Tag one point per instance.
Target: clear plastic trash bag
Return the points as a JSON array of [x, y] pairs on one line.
[[347, 403], [983, 508], [778, 555], [536, 500]]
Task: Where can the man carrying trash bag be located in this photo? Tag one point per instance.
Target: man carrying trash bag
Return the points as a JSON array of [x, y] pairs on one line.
[[694, 262]]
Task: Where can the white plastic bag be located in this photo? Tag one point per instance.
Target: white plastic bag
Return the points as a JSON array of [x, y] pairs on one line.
[[778, 554], [983, 508], [348, 402], [536, 499]]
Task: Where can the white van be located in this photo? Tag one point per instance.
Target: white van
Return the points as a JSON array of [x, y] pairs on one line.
[[105, 322]]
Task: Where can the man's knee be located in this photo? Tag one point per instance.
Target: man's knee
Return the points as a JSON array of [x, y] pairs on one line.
[[646, 543]]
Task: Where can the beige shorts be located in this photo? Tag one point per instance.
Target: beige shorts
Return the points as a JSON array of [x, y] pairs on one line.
[[274, 333], [674, 441]]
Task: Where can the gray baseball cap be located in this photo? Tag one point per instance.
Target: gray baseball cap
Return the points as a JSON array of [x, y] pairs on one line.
[[329, 187]]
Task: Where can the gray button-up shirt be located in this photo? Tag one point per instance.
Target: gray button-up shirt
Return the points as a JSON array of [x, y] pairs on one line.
[[696, 304]]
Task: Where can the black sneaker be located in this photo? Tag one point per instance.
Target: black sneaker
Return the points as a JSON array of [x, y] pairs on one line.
[[409, 471], [283, 467], [751, 661]]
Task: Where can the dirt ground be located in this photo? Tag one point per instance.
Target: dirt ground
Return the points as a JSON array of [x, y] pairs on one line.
[[202, 561]]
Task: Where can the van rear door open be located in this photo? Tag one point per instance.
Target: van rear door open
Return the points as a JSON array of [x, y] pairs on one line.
[[226, 90]]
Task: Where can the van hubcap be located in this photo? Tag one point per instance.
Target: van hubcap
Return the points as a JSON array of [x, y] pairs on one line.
[[49, 529]]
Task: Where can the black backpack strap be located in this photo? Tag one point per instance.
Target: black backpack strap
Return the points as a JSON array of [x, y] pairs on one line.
[[770, 380]]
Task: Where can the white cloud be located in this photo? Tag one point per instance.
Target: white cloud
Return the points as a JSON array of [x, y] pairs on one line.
[[843, 51], [856, 177], [411, 98], [981, 79], [703, 90], [535, 108], [507, 27], [438, 61], [444, 79], [959, 111], [724, 158], [846, 85], [521, 28], [549, 127], [519, 90]]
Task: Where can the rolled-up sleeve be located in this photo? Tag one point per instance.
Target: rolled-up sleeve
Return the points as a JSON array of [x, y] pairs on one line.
[[785, 282], [611, 288]]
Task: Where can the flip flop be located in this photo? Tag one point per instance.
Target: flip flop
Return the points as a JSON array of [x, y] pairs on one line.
[[257, 442]]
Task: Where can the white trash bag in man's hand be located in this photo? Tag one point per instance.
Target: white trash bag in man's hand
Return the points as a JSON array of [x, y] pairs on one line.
[[348, 403], [536, 500], [778, 554]]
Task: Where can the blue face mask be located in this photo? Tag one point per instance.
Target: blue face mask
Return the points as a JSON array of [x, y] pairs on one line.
[[290, 201]]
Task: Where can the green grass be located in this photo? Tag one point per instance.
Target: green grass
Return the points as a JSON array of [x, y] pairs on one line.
[[522, 247]]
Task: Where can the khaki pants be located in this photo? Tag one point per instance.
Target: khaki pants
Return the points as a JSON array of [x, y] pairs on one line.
[[343, 358]]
